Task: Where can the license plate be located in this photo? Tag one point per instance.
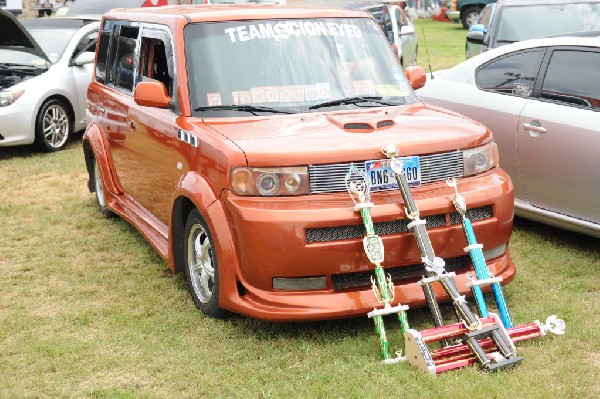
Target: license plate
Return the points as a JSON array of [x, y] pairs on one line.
[[381, 177]]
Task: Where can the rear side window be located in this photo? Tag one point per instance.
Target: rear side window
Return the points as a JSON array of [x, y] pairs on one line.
[[122, 63], [102, 53], [513, 74], [562, 84]]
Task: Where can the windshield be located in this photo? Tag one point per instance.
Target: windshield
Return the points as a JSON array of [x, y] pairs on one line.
[[52, 41], [291, 65], [529, 22]]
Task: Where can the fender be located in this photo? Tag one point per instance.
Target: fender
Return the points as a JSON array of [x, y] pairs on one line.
[[94, 140], [194, 188]]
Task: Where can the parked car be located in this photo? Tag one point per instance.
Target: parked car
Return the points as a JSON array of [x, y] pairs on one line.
[[466, 11], [510, 21], [45, 68], [13, 6], [228, 152], [392, 20], [405, 37], [541, 98]]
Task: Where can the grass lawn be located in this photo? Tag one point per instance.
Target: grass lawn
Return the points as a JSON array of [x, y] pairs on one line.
[[89, 310]]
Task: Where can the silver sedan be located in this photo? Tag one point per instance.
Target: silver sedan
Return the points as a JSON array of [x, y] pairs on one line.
[[45, 69], [541, 99]]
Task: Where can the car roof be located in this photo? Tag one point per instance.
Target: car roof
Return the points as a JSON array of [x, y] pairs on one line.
[[226, 12], [351, 5], [99, 7], [58, 22]]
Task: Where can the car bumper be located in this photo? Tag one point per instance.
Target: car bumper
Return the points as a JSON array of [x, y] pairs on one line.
[[453, 15], [275, 241], [17, 124]]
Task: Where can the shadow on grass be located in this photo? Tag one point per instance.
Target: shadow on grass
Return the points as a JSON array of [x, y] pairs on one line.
[[30, 150], [557, 237]]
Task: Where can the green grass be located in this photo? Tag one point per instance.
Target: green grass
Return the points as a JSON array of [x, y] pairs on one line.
[[441, 44], [89, 310]]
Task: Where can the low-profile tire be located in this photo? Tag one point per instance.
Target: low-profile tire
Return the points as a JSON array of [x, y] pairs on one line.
[[99, 190], [53, 126], [201, 267], [468, 16]]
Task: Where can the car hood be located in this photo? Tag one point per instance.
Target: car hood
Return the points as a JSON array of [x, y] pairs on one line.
[[350, 136], [14, 36]]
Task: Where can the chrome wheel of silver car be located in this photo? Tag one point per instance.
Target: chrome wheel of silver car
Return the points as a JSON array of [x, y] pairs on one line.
[[53, 126], [201, 266]]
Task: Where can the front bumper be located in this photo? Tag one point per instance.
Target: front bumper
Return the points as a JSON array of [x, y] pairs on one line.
[[453, 15], [17, 124], [273, 240]]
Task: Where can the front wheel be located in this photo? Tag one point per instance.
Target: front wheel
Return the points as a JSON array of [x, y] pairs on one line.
[[53, 126], [469, 16], [201, 268]]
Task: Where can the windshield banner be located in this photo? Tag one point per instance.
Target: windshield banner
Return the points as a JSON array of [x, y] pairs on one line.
[[287, 29]]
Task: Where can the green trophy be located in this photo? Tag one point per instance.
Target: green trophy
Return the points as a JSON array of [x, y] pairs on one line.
[[382, 285]]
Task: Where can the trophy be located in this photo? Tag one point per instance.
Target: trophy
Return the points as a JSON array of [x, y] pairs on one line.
[[481, 271], [504, 356], [381, 284]]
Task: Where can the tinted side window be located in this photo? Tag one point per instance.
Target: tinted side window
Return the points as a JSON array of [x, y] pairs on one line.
[[384, 20], [573, 77], [154, 62], [102, 53], [513, 74], [484, 18], [122, 63], [87, 43]]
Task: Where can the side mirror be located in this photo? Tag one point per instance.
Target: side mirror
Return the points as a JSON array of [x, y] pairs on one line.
[[408, 30], [416, 76], [87, 57], [475, 37], [152, 94]]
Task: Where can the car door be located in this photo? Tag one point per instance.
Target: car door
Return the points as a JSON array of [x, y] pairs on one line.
[[152, 131], [117, 98], [559, 135], [503, 86], [82, 75]]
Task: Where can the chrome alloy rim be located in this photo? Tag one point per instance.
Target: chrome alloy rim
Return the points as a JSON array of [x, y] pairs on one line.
[[56, 126], [99, 186], [200, 264]]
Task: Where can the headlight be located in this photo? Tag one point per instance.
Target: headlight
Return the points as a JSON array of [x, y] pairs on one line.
[[269, 182], [480, 159], [8, 97]]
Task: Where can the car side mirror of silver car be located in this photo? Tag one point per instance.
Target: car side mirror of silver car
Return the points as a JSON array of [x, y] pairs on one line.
[[476, 37], [87, 57]]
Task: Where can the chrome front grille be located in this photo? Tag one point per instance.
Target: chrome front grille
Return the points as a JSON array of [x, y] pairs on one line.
[[329, 178]]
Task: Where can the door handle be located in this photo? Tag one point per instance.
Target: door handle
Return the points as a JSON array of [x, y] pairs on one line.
[[537, 129], [132, 125]]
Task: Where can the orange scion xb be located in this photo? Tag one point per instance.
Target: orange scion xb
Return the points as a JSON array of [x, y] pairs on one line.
[[224, 133]]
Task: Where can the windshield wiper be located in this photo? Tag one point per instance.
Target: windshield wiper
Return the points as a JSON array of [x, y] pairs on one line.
[[253, 109], [351, 100], [8, 65]]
